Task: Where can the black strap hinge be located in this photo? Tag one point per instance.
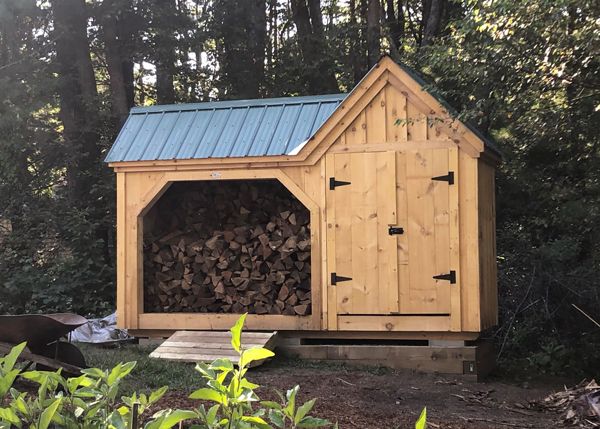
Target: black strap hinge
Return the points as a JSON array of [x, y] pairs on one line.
[[335, 279], [395, 230], [446, 178], [334, 183], [451, 277]]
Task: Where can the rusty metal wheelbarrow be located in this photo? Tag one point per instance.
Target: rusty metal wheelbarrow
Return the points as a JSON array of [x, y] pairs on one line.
[[43, 334]]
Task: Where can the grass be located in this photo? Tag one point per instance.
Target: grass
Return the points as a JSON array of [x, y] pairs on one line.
[[149, 374]]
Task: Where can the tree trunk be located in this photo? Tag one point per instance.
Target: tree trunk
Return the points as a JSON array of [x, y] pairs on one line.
[[241, 27], [395, 22], [432, 20], [319, 70], [373, 32], [355, 44], [78, 95], [165, 17], [117, 32]]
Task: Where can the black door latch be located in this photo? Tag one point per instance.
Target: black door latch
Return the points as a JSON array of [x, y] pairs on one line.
[[395, 230]]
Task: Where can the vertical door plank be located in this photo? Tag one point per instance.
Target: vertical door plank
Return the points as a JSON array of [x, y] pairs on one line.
[[403, 244], [343, 231], [454, 239], [441, 229], [387, 259], [420, 231], [331, 232], [364, 234]]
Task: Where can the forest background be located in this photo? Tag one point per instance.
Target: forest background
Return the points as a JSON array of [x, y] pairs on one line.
[[527, 72]]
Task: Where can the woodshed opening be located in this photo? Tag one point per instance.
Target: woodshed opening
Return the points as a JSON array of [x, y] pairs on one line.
[[230, 246]]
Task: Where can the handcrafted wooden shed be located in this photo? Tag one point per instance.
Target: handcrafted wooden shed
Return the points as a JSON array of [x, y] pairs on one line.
[[399, 198]]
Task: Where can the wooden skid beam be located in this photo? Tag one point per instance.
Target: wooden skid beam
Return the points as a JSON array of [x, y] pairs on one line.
[[473, 362]]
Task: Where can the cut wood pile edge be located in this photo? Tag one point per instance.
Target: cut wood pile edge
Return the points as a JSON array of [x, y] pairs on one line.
[[228, 247]]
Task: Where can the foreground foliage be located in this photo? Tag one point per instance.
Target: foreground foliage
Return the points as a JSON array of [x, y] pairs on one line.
[[92, 400]]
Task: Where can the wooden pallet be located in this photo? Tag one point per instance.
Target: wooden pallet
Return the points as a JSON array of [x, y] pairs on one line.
[[206, 346]]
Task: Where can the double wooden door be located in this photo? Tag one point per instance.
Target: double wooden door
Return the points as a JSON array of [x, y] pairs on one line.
[[392, 230]]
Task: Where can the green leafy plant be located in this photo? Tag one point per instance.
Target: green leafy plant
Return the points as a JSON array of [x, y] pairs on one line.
[[234, 395], [90, 400]]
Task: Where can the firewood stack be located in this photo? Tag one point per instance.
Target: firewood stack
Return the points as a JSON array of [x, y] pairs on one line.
[[227, 247]]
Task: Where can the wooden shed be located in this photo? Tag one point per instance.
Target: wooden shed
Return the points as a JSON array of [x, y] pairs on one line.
[[399, 203]]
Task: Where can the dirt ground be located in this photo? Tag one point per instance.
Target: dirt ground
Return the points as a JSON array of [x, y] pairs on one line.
[[359, 398]]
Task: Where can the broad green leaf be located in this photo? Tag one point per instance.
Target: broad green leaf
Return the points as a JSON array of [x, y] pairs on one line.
[[170, 418], [204, 369], [271, 404], [119, 371], [422, 420], [211, 415], [157, 394], [277, 418], [48, 414], [8, 362], [208, 395], [95, 373], [76, 382], [117, 421], [256, 421], [236, 333], [246, 384], [7, 381], [303, 410], [222, 364], [9, 416], [290, 408], [254, 354], [313, 422]]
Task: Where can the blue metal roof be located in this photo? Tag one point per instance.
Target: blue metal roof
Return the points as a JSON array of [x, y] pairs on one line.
[[273, 126]]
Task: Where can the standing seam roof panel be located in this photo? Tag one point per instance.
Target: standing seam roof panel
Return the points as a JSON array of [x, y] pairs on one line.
[[285, 128], [304, 124], [145, 135], [177, 136], [221, 129]]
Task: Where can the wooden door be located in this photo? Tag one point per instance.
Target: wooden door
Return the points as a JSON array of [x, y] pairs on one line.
[[427, 184], [362, 255]]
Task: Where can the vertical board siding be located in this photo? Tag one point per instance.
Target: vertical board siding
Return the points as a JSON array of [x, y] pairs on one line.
[[396, 129], [469, 242], [416, 123], [487, 246]]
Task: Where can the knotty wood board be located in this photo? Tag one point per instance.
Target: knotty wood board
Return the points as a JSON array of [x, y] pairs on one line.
[[206, 346]]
